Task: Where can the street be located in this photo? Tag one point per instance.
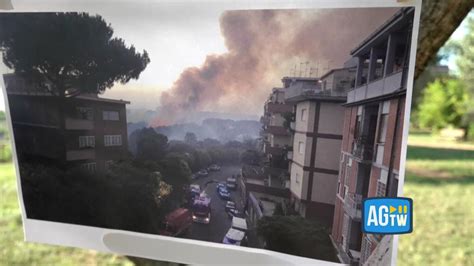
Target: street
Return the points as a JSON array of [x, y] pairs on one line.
[[220, 221]]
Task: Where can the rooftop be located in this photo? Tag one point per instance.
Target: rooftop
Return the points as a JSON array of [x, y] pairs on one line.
[[299, 79], [336, 70], [395, 20], [17, 86]]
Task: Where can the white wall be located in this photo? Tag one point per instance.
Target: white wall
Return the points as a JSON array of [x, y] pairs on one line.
[[331, 118], [328, 152], [324, 188], [302, 159], [307, 125], [297, 187]]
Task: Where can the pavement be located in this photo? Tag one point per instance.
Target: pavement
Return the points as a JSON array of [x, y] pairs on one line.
[[220, 221]]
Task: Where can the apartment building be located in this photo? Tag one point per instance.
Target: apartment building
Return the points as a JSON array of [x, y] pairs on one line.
[[317, 136], [95, 128], [371, 139], [276, 137]]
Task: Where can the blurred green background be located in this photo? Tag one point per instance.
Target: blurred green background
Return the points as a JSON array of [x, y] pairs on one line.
[[440, 173]]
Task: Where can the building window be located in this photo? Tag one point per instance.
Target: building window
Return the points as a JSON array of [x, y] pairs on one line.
[[381, 188], [297, 178], [366, 250], [89, 167], [338, 187], [379, 67], [113, 140], [382, 183], [110, 115], [301, 147], [357, 126], [382, 128], [345, 232], [304, 113], [85, 113], [347, 174], [86, 141]]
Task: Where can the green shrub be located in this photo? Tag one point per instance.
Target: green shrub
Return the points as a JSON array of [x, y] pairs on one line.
[[444, 104], [297, 236], [5, 152]]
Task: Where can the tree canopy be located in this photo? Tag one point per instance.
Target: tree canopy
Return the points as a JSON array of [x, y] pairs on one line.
[[150, 146], [67, 53], [439, 19], [190, 138], [297, 236], [444, 104], [465, 63]]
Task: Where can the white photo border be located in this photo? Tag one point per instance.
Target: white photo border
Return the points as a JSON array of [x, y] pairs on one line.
[[187, 250]]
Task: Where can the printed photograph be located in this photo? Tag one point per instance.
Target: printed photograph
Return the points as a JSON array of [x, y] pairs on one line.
[[253, 128]]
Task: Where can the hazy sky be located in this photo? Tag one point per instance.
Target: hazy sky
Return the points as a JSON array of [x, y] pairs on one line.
[[176, 36]]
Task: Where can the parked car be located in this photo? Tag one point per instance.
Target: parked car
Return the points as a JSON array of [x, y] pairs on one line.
[[239, 224], [176, 222], [193, 192], [224, 194], [195, 189], [203, 172], [234, 237], [214, 167], [220, 185], [229, 205], [234, 213], [231, 183]]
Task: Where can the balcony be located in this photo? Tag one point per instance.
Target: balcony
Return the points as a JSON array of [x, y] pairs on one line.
[[277, 130], [363, 149], [276, 151], [265, 120], [84, 154], [79, 124], [271, 107], [353, 205], [299, 93], [376, 88]]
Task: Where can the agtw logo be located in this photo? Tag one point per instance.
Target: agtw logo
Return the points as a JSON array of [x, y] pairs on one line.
[[387, 215]]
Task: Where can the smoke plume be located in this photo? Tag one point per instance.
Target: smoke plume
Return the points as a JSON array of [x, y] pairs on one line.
[[263, 46]]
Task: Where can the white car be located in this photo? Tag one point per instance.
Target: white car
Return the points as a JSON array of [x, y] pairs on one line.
[[203, 172], [234, 237], [214, 167], [239, 224], [229, 205]]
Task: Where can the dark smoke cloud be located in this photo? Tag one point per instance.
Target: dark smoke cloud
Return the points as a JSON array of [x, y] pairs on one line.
[[263, 46]]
